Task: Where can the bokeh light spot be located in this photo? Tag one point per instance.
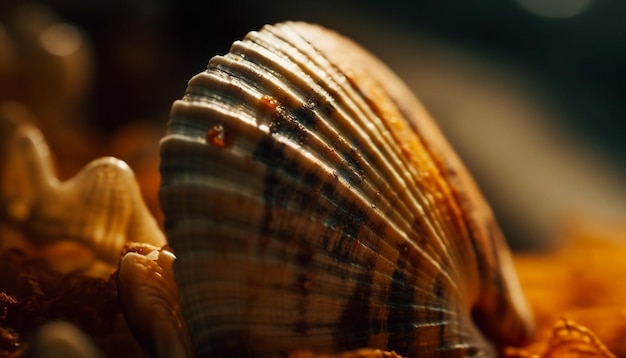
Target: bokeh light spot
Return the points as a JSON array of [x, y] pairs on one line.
[[555, 8], [61, 39]]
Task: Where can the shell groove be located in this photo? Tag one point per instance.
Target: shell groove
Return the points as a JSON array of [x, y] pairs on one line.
[[313, 204]]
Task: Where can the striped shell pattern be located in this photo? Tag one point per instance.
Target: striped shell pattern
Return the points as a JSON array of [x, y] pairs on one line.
[[313, 204]]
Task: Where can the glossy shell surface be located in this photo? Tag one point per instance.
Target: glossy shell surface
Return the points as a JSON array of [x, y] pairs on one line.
[[313, 204]]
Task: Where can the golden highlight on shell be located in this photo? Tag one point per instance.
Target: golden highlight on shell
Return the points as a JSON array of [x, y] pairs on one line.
[[313, 206]]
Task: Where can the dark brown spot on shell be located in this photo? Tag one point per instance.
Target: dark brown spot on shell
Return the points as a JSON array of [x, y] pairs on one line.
[[440, 293], [306, 114], [401, 307], [216, 136], [355, 325]]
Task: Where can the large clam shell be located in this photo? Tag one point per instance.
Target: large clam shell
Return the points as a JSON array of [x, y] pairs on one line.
[[313, 204]]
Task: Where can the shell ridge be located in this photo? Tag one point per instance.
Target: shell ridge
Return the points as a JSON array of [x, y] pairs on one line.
[[381, 129], [337, 95], [415, 184], [418, 249], [421, 211], [248, 57]]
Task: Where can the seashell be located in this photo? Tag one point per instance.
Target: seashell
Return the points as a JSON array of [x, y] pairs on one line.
[[313, 204], [149, 299], [99, 209]]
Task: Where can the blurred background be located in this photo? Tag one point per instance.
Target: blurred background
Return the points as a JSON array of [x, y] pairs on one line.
[[529, 92]]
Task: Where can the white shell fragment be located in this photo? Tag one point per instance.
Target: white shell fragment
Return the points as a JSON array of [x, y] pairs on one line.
[[314, 205], [99, 209], [149, 298]]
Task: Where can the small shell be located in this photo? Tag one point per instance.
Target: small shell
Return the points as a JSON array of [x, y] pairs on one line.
[[149, 298], [99, 209], [314, 205]]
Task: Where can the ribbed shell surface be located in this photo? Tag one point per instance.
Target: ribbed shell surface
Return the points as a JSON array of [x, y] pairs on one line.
[[313, 204]]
